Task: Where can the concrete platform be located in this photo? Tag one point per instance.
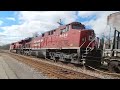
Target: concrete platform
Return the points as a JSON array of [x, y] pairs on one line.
[[5, 70], [12, 69]]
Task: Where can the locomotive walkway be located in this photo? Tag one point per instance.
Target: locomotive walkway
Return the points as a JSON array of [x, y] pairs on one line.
[[12, 69]]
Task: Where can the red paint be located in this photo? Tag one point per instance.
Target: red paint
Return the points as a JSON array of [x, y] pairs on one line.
[[71, 38]]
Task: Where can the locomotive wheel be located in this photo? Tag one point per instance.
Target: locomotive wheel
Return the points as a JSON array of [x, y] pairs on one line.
[[114, 67]]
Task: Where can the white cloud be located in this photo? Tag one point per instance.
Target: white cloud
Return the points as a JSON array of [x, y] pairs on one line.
[[1, 22], [100, 23], [10, 18], [37, 21], [85, 14], [41, 21], [48, 16]]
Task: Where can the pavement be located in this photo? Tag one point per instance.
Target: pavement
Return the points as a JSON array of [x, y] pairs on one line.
[[13, 69]]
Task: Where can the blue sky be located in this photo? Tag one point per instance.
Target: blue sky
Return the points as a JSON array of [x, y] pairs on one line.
[[4, 15], [12, 14], [17, 25], [8, 14]]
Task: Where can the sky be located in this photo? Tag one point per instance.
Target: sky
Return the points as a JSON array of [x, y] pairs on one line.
[[17, 25]]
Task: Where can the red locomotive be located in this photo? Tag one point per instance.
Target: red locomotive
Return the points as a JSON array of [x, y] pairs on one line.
[[71, 43]]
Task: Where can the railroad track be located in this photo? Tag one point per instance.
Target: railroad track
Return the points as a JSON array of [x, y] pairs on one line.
[[51, 70], [97, 72], [64, 71]]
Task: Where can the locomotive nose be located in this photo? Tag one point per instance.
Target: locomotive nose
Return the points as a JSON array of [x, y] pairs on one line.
[[87, 37]]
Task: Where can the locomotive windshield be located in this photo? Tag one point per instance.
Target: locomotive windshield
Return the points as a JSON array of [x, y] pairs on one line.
[[77, 26]]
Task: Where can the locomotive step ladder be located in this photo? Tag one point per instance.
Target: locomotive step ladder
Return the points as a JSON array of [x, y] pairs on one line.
[[92, 56], [86, 54], [88, 49]]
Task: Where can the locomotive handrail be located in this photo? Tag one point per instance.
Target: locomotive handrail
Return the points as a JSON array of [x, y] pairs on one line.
[[89, 44]]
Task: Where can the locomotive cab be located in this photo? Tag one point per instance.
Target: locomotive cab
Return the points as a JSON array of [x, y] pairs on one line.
[[76, 25], [85, 35]]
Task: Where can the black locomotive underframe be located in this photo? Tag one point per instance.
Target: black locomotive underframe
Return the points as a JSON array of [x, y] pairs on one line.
[[65, 55]]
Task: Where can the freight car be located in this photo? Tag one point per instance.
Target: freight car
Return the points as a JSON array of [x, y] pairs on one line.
[[71, 43], [111, 53], [111, 50]]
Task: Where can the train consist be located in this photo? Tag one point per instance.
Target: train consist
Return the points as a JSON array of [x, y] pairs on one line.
[[71, 43]]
